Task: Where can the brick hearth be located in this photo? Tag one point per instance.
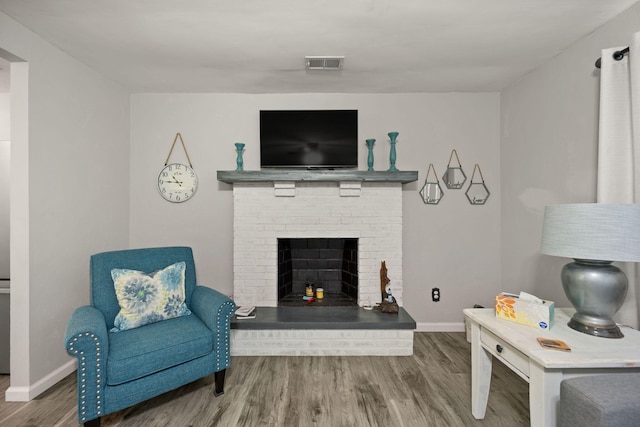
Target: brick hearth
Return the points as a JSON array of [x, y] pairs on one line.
[[323, 331]]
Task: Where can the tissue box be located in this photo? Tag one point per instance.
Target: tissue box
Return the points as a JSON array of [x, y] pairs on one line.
[[534, 314]]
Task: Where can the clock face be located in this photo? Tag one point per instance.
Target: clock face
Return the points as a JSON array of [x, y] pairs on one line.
[[177, 182]]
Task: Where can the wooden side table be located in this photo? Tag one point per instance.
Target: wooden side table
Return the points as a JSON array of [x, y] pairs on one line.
[[516, 346]]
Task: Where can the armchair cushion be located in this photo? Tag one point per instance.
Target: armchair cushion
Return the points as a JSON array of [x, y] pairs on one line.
[[139, 352], [149, 298]]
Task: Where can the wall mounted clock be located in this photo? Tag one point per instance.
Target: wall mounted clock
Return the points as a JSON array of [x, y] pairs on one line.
[[177, 182]]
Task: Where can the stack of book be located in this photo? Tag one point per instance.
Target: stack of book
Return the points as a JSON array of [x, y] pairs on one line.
[[246, 312]]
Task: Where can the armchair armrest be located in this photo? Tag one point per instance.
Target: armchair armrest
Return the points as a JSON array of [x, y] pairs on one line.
[[86, 338], [212, 307], [215, 310], [87, 320]]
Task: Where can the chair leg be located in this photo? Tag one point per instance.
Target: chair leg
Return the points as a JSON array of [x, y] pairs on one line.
[[219, 379], [92, 423]]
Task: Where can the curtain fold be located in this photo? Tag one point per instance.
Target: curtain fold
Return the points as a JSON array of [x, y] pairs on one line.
[[619, 148]]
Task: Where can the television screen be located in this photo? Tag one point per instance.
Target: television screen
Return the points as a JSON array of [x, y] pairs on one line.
[[309, 139]]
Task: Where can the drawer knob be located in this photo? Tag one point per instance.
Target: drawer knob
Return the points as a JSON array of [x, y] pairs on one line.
[[499, 348]]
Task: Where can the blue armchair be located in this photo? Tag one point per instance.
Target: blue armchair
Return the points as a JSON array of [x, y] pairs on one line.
[[120, 369]]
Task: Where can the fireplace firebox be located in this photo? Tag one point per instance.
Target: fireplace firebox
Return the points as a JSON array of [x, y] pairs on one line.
[[327, 263]]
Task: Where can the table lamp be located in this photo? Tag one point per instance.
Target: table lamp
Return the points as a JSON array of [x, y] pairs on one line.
[[594, 235]]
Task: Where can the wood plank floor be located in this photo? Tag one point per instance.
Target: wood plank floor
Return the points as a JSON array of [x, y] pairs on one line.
[[430, 388]]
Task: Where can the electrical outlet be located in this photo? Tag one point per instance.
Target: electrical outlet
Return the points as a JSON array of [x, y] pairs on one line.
[[435, 294]]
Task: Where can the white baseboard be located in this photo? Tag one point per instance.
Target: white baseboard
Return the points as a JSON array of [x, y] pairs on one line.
[[440, 327], [25, 394]]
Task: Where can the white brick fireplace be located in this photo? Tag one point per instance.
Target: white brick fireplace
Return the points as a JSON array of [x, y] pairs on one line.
[[272, 205], [266, 211]]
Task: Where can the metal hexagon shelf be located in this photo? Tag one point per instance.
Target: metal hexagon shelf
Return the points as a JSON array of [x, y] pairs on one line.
[[431, 192], [477, 193], [454, 177]]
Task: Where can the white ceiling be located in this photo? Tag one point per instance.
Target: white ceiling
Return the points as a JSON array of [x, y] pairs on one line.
[[258, 46]]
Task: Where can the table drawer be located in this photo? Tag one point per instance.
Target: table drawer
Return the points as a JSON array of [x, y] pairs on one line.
[[505, 352]]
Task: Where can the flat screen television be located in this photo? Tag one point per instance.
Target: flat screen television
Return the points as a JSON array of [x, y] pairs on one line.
[[311, 139]]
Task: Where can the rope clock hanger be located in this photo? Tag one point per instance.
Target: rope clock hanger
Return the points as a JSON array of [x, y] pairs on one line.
[[177, 182]]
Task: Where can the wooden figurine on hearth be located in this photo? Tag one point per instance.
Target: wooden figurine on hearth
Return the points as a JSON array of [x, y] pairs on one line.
[[388, 304]]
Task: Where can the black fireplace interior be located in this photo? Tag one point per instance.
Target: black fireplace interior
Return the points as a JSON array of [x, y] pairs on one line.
[[328, 263]]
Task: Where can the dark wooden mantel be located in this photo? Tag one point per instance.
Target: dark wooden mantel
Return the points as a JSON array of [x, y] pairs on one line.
[[316, 175]]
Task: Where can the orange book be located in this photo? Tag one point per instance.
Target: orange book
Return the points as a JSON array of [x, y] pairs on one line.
[[554, 344]]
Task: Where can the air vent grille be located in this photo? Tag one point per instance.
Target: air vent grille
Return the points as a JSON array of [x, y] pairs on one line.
[[324, 62]]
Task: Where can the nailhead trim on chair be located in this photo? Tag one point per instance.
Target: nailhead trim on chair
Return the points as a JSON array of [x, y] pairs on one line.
[[227, 345], [83, 368], [222, 325]]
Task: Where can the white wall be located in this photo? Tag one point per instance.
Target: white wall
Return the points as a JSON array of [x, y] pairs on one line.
[[5, 127], [549, 153], [69, 196], [4, 184], [4, 210], [454, 246]]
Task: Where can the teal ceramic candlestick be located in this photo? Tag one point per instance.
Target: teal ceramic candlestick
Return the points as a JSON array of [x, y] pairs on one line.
[[239, 160], [370, 143], [392, 154]]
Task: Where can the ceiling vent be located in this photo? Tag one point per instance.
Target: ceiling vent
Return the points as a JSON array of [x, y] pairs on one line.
[[324, 62]]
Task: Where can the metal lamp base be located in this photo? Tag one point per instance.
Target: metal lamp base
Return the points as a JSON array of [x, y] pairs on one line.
[[597, 290], [613, 332]]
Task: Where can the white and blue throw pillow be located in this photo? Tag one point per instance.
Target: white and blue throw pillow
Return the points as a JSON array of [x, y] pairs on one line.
[[149, 298]]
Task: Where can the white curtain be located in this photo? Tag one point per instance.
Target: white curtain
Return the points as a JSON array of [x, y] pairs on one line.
[[619, 148]]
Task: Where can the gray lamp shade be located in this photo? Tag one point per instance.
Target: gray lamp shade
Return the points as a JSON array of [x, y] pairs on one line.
[[592, 231]]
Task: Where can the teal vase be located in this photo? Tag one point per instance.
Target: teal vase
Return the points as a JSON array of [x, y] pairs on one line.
[[370, 143], [392, 153], [239, 160]]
